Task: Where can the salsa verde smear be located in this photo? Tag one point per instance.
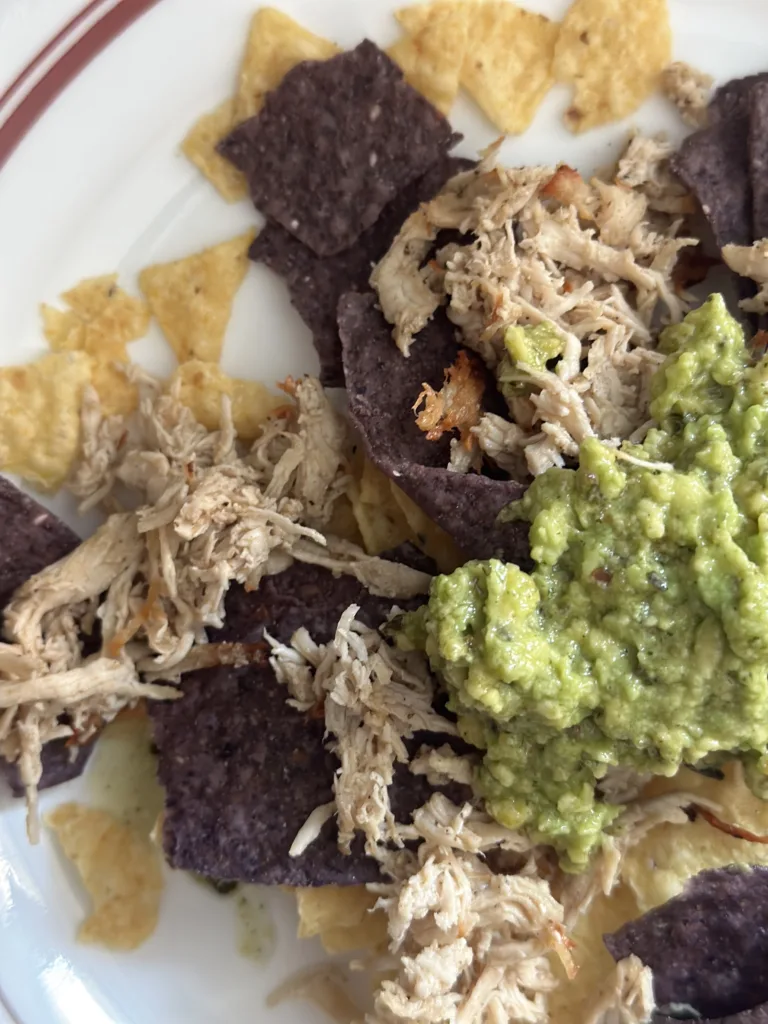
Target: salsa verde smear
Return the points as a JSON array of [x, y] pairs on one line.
[[640, 639]]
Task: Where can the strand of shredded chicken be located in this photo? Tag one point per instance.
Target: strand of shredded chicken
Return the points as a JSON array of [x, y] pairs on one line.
[[626, 996], [592, 260], [198, 515]]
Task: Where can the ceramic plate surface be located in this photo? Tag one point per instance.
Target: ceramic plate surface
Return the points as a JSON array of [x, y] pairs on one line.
[[91, 182]]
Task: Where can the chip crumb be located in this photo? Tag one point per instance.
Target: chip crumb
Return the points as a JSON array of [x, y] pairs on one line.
[[120, 869], [342, 916], [689, 90], [508, 65], [192, 298], [276, 43], [40, 417], [432, 52], [202, 385], [199, 146], [613, 51]]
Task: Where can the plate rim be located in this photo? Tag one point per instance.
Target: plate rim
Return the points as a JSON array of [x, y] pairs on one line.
[[59, 61]]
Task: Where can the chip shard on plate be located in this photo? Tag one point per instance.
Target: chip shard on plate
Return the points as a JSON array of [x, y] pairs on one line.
[[507, 68], [199, 147], [708, 947], [276, 43], [243, 770], [432, 52], [316, 284], [40, 417], [369, 134], [192, 298], [613, 51], [382, 386]]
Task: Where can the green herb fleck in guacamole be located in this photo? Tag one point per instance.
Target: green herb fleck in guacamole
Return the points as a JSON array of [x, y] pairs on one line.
[[640, 638]]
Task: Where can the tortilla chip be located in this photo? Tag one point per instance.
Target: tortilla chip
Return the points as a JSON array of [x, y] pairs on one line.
[[614, 52], [40, 417], [316, 284], [432, 53], [572, 999], [121, 871], [708, 948], [379, 518], [276, 43], [381, 388], [202, 386], [370, 135], [508, 66], [101, 319], [342, 917], [192, 297], [758, 158], [343, 522], [426, 534], [200, 144]]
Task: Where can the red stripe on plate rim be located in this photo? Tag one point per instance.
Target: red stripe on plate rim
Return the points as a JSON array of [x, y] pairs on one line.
[[66, 68]]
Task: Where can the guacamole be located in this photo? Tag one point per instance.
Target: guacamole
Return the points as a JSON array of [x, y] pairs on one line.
[[640, 639]]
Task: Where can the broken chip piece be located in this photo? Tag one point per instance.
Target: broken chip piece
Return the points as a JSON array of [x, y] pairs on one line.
[[121, 870], [369, 132], [40, 417], [192, 298], [432, 52], [316, 284], [199, 146], [613, 52], [276, 43], [507, 69], [202, 385], [342, 916]]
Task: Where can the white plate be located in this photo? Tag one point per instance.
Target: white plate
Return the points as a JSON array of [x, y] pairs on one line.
[[96, 186]]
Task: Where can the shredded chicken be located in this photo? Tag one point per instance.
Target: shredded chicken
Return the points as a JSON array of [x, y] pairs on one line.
[[375, 697], [457, 405], [204, 515], [626, 997], [751, 261], [591, 261], [442, 765], [688, 88]]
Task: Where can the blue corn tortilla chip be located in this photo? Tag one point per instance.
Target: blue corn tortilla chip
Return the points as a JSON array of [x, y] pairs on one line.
[[316, 284], [33, 538], [758, 157], [382, 387], [708, 947], [242, 770], [334, 143]]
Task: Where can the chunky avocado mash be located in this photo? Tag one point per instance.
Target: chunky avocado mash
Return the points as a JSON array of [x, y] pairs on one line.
[[640, 638]]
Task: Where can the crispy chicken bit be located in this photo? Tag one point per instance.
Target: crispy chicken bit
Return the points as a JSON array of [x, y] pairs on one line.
[[688, 88], [569, 188], [458, 403], [751, 261]]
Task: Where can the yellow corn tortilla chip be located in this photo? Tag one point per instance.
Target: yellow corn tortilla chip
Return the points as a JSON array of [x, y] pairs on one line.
[[381, 523], [192, 298], [343, 522], [199, 146], [342, 916], [40, 417], [202, 385], [276, 43], [432, 53], [657, 868], [101, 319], [572, 1000], [508, 66], [614, 52], [120, 869], [427, 535]]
